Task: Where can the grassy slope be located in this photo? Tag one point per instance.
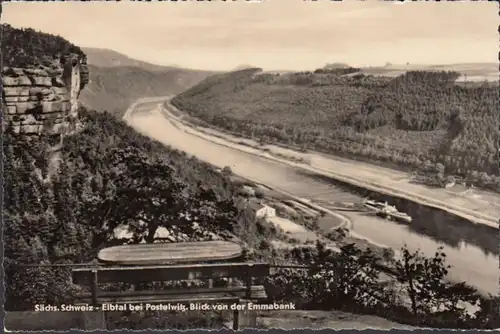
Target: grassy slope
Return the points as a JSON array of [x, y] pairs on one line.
[[404, 121], [116, 80]]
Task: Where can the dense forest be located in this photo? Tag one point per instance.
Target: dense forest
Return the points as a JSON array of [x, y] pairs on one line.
[[28, 47], [420, 121]]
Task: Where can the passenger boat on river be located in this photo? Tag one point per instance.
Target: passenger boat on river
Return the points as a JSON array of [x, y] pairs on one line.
[[386, 211]]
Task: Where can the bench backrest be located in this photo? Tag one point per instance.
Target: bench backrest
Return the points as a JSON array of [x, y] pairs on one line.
[[134, 275]]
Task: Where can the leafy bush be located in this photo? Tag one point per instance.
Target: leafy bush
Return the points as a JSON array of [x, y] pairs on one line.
[[417, 292]]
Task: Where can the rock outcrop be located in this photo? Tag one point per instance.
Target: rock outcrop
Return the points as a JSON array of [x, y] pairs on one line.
[[43, 100]]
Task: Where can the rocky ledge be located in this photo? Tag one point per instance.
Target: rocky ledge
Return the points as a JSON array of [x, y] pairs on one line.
[[43, 100]]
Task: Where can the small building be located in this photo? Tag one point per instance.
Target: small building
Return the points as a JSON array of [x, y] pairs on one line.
[[260, 210]]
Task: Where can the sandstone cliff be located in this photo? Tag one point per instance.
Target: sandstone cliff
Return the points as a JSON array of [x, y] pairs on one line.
[[43, 100]]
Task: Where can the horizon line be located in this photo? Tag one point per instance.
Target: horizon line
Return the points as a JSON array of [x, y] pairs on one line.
[[388, 64]]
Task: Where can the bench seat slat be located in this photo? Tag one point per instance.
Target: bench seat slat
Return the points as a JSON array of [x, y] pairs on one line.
[[169, 273], [203, 295], [173, 292]]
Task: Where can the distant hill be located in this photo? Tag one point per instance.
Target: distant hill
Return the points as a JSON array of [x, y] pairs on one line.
[[414, 120], [117, 80], [468, 71], [336, 65], [111, 58], [242, 67]]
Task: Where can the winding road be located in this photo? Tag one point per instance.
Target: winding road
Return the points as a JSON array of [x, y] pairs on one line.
[[469, 263]]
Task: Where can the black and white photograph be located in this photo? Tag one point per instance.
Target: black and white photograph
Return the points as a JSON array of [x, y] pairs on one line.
[[273, 164]]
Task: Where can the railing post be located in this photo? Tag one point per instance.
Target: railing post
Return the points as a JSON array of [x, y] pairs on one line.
[[236, 319], [94, 286], [249, 282], [94, 320]]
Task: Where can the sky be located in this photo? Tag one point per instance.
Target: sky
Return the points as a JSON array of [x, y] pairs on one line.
[[273, 34]]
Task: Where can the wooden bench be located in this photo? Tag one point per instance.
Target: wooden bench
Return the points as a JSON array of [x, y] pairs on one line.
[[92, 277]]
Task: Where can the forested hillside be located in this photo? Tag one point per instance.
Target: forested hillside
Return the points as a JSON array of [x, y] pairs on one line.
[[416, 121], [116, 80], [115, 88], [108, 176]]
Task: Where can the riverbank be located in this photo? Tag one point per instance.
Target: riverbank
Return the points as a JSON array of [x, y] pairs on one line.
[[456, 236], [469, 263], [358, 239], [373, 178], [344, 222]]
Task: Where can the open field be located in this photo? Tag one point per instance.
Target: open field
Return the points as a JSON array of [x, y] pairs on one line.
[[287, 225]]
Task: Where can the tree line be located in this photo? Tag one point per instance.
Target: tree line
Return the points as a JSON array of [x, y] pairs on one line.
[[27, 47]]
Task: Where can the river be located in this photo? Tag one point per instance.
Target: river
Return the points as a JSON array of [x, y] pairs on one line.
[[469, 262]]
